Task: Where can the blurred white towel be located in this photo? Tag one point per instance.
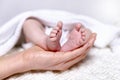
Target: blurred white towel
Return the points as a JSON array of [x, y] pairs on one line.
[[11, 31]]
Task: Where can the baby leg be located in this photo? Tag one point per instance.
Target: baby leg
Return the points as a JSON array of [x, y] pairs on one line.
[[78, 37], [34, 32], [53, 40]]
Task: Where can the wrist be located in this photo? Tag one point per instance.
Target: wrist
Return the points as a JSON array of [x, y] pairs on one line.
[[17, 63], [11, 64], [23, 64], [26, 60], [30, 57]]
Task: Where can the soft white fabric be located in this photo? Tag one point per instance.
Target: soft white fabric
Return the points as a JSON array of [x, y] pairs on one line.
[[10, 32]]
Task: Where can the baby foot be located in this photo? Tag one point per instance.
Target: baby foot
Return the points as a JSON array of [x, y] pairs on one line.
[[53, 40], [78, 37]]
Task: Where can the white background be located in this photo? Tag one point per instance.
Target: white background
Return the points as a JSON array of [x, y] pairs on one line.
[[106, 11]]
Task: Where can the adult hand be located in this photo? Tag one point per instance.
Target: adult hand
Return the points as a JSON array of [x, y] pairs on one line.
[[38, 59]]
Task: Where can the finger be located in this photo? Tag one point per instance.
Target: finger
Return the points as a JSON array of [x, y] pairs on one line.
[[76, 60], [71, 62], [89, 43], [92, 39], [61, 57], [66, 65], [71, 55]]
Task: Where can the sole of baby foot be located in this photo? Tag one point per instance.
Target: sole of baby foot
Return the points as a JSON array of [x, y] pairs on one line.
[[78, 37], [53, 40]]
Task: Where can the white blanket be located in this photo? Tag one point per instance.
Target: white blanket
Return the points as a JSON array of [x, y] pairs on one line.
[[11, 31], [100, 64]]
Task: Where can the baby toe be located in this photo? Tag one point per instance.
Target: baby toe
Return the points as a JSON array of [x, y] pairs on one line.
[[56, 28], [54, 31], [83, 38], [52, 35], [80, 42], [82, 30], [53, 39], [83, 33]]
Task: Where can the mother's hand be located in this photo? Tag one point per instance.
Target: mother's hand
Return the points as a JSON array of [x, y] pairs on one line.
[[38, 59]]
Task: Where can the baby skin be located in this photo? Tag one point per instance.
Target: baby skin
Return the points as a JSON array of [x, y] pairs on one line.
[[77, 37], [34, 32]]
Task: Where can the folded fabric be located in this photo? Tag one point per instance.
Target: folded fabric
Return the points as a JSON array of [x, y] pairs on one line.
[[11, 31]]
